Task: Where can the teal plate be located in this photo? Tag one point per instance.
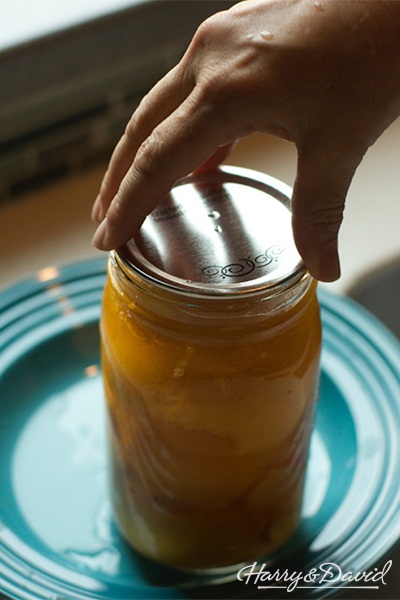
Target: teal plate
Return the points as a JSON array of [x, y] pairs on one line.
[[57, 536]]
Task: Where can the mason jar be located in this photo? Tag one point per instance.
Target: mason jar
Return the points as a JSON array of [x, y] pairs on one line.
[[210, 353]]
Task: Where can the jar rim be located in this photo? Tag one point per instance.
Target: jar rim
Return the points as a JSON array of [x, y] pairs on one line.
[[226, 232], [136, 276]]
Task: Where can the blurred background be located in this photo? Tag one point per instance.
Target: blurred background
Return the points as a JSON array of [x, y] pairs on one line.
[[73, 72]]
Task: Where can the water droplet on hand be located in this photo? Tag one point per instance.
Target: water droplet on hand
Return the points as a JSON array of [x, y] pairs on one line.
[[266, 35]]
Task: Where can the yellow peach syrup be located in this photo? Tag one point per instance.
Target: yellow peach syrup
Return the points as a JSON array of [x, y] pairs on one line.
[[211, 339]]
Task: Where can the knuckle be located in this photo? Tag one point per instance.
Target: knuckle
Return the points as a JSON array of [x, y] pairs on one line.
[[237, 80], [148, 161], [322, 222], [221, 87], [138, 121], [328, 216], [226, 74], [211, 28], [115, 212]]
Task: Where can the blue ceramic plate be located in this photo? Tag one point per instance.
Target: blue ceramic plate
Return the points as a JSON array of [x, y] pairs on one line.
[[57, 537]]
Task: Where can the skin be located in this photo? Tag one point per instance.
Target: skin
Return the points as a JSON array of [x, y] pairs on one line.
[[328, 79]]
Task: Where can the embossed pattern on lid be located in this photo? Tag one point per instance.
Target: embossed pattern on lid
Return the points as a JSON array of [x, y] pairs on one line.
[[217, 233]]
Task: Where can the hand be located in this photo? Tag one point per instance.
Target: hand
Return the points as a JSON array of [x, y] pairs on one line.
[[325, 75]]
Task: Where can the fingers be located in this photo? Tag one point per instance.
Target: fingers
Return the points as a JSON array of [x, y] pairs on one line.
[[163, 99], [216, 158], [185, 139], [323, 179]]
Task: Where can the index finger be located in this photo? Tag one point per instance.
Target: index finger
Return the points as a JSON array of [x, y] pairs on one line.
[[161, 101], [183, 141]]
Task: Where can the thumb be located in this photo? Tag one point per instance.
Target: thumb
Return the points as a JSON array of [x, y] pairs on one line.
[[322, 182]]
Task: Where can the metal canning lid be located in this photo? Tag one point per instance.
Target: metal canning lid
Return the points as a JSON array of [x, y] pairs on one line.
[[217, 233]]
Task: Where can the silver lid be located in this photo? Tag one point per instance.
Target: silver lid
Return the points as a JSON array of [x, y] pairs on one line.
[[222, 232]]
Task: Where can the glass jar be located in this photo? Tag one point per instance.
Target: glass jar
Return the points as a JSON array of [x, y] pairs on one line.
[[211, 376]]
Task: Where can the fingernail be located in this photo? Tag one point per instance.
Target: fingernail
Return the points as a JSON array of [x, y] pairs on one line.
[[329, 265], [97, 211], [100, 234]]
